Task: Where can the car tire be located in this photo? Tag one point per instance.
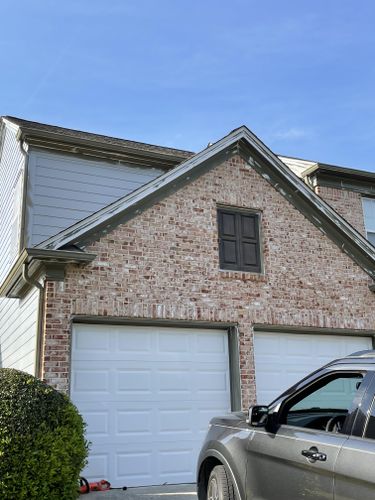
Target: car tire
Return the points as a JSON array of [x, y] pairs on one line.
[[220, 486]]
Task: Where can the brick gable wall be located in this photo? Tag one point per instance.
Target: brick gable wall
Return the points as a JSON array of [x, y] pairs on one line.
[[164, 263]]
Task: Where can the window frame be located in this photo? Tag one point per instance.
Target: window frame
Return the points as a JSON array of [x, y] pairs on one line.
[[239, 266], [368, 228]]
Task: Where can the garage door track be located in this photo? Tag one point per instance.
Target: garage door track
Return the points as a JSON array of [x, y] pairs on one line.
[[167, 492]]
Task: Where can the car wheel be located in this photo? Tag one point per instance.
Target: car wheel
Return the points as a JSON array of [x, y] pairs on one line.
[[220, 486]]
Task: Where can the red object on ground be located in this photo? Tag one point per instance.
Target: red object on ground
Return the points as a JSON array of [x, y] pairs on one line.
[[102, 485], [86, 487]]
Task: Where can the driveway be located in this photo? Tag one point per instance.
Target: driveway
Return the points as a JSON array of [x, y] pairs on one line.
[[168, 492]]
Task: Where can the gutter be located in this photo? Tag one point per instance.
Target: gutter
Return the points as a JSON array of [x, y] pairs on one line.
[[34, 263]]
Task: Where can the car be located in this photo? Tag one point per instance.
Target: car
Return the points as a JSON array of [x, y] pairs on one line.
[[315, 441]]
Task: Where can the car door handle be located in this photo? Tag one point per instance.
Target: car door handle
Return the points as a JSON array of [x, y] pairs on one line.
[[314, 454]]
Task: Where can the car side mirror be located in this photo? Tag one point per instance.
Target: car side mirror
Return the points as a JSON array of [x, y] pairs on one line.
[[257, 415]]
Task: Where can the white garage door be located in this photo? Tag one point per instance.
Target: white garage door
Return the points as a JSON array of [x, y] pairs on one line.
[[147, 395], [282, 359]]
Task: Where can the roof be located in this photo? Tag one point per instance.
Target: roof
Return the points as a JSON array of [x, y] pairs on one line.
[[259, 157], [44, 135], [323, 174]]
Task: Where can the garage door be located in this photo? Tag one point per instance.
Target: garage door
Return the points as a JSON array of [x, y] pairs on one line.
[[281, 359], [147, 395]]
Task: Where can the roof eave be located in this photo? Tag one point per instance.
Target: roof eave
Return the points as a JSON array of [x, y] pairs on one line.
[[42, 262], [57, 142]]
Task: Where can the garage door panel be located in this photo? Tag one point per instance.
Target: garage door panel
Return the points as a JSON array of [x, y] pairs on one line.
[[90, 381], [98, 466], [139, 343], [172, 421], [212, 380], [134, 467], [144, 463], [95, 342], [149, 410], [282, 359], [136, 422], [97, 423]]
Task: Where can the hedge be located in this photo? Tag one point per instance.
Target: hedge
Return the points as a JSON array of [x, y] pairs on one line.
[[42, 442]]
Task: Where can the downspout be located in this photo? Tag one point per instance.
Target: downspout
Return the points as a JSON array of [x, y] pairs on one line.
[[39, 327]]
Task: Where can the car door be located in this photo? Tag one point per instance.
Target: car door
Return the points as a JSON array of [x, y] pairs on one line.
[[354, 475], [297, 461]]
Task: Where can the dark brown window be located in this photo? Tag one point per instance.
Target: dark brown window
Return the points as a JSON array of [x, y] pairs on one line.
[[239, 245]]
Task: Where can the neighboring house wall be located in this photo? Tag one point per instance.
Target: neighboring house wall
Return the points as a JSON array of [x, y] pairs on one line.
[[12, 164], [164, 263], [18, 328], [18, 318], [347, 203], [64, 189]]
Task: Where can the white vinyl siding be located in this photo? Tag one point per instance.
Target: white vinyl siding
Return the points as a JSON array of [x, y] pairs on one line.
[[64, 189], [147, 395], [282, 359], [11, 180], [18, 328], [369, 216]]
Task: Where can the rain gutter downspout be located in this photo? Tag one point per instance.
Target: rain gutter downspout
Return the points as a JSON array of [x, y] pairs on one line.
[[39, 327]]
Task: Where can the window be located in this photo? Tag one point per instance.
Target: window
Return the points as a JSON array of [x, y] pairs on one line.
[[239, 241], [370, 427], [369, 217], [325, 405]]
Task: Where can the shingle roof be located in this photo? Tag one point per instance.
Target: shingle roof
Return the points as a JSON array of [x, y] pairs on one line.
[[36, 128]]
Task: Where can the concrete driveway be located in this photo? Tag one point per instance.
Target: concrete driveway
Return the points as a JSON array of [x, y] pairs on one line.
[[168, 492]]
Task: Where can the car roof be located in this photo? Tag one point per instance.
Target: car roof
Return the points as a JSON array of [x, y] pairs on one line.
[[357, 357]]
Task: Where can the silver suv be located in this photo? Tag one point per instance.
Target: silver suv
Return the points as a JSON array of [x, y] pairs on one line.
[[316, 441]]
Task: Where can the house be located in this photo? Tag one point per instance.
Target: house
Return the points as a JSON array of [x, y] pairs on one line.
[[160, 287]]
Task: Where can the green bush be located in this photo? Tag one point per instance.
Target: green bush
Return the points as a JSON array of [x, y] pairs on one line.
[[42, 444]]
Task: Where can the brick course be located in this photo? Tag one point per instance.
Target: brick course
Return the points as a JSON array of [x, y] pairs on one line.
[[164, 264]]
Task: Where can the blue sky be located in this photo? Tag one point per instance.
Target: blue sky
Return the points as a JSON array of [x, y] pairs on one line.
[[299, 74]]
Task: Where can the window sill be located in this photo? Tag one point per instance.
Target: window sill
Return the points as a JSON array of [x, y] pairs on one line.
[[242, 275]]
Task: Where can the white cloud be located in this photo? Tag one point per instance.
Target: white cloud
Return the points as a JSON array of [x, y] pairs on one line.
[[291, 133]]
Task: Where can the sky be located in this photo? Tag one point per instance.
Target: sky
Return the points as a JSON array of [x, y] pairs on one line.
[[183, 73]]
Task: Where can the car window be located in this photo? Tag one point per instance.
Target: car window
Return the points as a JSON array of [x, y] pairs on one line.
[[325, 404], [337, 394], [370, 427]]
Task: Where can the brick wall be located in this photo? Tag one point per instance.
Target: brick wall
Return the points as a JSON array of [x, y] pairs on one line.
[[347, 203], [164, 264]]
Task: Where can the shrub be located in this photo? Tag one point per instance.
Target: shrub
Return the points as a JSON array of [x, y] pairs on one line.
[[42, 444]]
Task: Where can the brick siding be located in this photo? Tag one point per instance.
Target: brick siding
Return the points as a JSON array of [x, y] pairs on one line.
[[347, 203], [164, 263]]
